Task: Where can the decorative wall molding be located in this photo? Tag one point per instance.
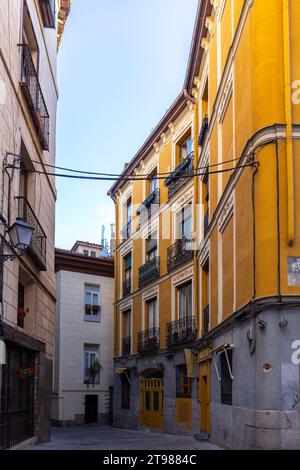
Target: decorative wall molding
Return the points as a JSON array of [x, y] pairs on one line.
[[205, 44], [225, 98], [204, 163], [183, 200], [226, 214], [125, 305], [126, 248], [204, 254], [183, 276], [150, 293]]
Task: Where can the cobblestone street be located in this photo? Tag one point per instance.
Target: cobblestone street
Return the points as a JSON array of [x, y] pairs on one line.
[[93, 437]]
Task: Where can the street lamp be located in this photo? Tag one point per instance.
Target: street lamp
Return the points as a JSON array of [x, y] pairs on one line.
[[20, 234]]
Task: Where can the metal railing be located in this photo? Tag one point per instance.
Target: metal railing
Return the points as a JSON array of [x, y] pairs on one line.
[[182, 250], [48, 13], [148, 340], [33, 94], [149, 271], [150, 203], [181, 331], [38, 247], [205, 320], [126, 346], [126, 287], [181, 175], [206, 222]]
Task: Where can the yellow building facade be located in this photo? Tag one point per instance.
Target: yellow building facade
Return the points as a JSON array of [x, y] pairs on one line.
[[207, 250]]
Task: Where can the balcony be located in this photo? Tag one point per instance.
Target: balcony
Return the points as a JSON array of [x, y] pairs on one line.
[[126, 231], [33, 94], [181, 331], [48, 13], [181, 175], [149, 271], [180, 252], [206, 320], [148, 340], [203, 131], [206, 222], [126, 287], [37, 248], [149, 205], [126, 346]]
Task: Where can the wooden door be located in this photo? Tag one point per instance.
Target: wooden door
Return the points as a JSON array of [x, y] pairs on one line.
[[204, 396], [151, 402]]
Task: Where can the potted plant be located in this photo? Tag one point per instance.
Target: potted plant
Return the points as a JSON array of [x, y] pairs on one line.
[[94, 370], [22, 312]]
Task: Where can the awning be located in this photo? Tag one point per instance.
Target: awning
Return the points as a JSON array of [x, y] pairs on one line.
[[121, 370]]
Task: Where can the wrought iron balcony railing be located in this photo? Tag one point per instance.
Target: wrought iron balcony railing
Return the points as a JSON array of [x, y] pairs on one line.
[[182, 173], [38, 246], [148, 340], [182, 250], [149, 271], [206, 320], [126, 287], [203, 131], [33, 94], [48, 13], [149, 205], [181, 331], [126, 231], [126, 346], [206, 222]]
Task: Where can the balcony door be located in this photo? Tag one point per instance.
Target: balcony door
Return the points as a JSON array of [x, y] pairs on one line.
[[185, 148], [184, 222], [185, 301], [152, 316]]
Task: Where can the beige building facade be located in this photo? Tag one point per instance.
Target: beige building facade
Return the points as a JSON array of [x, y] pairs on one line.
[[83, 372], [28, 99]]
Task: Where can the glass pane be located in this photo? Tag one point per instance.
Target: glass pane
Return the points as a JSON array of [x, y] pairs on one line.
[[155, 401], [88, 298], [147, 400], [182, 302], [189, 290], [95, 299], [189, 145]]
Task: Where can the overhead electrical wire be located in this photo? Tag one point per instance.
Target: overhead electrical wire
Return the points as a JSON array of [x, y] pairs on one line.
[[138, 177], [119, 176]]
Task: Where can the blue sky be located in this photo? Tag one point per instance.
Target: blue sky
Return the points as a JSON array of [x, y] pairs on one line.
[[120, 66]]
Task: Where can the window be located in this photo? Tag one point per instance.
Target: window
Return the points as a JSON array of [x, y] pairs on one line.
[[184, 222], [91, 363], [226, 380], [183, 383], [92, 303], [128, 210], [152, 313], [126, 323], [153, 181], [86, 252], [125, 390], [29, 37], [127, 266], [185, 301], [152, 246], [185, 148], [93, 254]]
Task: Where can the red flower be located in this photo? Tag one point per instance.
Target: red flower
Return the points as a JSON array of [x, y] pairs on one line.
[[20, 310], [27, 310]]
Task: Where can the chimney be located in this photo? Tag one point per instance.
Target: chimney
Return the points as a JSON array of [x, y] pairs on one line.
[[112, 239], [103, 235]]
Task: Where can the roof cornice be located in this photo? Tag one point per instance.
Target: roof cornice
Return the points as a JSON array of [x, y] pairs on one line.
[[67, 261]]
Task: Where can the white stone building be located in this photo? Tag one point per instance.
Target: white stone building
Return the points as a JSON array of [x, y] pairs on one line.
[[84, 337], [30, 31]]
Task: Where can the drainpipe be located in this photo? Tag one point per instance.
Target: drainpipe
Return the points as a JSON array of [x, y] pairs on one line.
[[288, 117], [196, 179]]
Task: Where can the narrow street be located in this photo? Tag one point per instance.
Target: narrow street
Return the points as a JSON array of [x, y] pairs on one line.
[[103, 437]]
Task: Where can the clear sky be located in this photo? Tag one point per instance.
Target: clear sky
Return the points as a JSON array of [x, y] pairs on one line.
[[120, 66]]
